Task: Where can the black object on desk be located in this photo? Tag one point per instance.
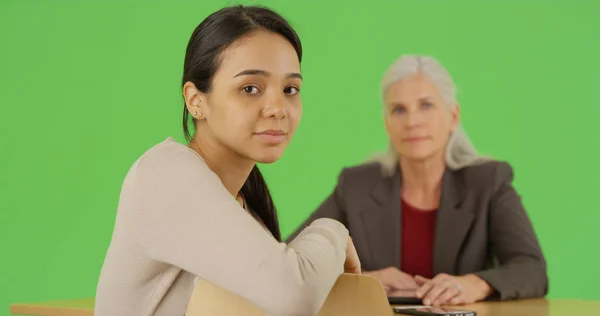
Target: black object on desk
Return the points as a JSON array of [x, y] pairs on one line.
[[432, 311]]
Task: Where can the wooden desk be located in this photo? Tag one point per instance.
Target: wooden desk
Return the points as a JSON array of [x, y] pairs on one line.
[[538, 307], [80, 307]]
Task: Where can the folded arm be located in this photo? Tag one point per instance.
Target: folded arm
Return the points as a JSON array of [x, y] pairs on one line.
[[186, 218]]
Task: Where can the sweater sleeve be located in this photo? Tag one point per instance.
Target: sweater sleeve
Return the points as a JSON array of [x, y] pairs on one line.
[[185, 217]]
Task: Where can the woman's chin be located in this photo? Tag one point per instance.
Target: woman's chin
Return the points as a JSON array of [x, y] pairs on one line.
[[268, 157], [418, 155]]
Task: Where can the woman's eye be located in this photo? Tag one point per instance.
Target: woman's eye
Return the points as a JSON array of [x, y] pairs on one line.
[[398, 110], [291, 90], [250, 89], [426, 105]]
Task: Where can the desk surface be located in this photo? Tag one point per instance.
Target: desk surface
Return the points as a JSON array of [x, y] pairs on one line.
[[80, 307], [537, 307]]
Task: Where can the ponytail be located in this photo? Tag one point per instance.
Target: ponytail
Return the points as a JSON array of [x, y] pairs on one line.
[[258, 198]]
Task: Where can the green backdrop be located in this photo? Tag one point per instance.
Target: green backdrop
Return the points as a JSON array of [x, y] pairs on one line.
[[88, 86]]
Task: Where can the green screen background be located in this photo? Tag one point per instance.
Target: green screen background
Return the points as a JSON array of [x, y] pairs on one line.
[[88, 86]]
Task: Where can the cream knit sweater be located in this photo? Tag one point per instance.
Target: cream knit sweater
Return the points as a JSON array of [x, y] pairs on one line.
[[176, 221]]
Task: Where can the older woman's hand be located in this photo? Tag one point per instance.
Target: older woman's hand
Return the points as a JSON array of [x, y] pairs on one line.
[[445, 289], [393, 279]]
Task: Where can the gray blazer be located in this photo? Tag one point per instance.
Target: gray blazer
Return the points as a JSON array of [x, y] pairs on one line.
[[481, 228]]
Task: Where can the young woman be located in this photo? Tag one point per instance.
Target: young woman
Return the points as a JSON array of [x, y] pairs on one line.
[[203, 210]]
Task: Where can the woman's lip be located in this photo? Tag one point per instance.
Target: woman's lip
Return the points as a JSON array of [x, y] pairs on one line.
[[272, 132], [272, 138], [415, 139]]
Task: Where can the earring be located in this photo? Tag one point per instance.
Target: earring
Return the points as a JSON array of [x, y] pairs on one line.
[[195, 113]]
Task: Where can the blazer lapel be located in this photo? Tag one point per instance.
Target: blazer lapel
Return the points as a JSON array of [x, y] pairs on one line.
[[382, 223], [452, 225]]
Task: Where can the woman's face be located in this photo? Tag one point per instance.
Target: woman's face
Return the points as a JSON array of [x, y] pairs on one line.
[[417, 119], [254, 106]]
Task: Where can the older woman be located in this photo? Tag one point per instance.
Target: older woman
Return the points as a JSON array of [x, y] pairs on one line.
[[431, 214]]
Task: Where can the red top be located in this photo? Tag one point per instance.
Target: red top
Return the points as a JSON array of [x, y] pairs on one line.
[[417, 235]]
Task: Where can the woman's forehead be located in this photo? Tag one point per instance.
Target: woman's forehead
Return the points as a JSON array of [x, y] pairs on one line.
[[264, 51]]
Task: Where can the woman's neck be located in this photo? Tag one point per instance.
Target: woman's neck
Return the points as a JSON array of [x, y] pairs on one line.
[[422, 181], [231, 168]]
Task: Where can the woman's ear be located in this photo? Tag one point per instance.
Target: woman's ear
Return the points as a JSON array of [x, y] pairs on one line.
[[194, 100], [454, 118]]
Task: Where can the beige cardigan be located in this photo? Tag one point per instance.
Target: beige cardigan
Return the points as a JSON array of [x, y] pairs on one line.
[[176, 221]]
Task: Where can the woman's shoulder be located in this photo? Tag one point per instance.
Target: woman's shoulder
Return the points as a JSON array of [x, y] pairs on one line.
[[169, 161], [488, 174], [361, 177], [170, 154], [170, 171], [369, 169]]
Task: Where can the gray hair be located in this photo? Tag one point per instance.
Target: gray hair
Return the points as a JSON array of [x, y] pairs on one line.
[[460, 152]]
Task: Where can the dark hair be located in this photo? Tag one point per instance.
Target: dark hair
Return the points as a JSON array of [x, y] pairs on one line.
[[202, 59]]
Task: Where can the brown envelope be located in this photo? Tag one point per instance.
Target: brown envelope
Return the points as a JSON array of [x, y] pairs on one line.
[[352, 295]]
